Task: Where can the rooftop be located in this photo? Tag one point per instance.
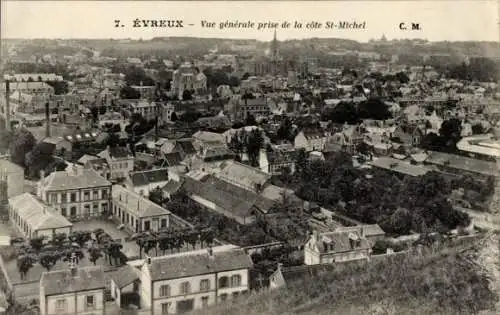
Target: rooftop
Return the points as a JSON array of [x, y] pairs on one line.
[[36, 214], [188, 264], [147, 177], [73, 179], [138, 205], [63, 282]]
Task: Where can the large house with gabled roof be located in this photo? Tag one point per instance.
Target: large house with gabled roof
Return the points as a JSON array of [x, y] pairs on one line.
[[186, 281], [76, 192]]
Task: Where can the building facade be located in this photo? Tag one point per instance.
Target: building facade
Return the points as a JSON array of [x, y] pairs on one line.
[[74, 291], [193, 280], [76, 192]]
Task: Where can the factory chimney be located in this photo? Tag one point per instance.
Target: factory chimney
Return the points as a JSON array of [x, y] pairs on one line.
[[47, 120], [7, 104]]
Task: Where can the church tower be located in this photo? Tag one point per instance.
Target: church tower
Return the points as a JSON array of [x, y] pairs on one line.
[[274, 54]]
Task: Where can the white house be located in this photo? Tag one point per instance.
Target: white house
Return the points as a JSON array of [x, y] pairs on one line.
[[74, 291], [336, 246], [310, 140], [192, 280]]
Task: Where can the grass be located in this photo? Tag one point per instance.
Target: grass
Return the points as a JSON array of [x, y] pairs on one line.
[[444, 281]]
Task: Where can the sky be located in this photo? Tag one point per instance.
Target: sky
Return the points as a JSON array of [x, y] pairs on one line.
[[439, 20]]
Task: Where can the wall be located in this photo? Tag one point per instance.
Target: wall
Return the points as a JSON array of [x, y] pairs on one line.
[[98, 302], [176, 295], [51, 303]]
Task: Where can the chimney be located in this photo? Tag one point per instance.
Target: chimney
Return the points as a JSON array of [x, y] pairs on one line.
[[7, 104], [47, 119]]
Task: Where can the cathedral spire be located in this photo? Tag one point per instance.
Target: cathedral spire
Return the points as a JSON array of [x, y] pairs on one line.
[[274, 46]]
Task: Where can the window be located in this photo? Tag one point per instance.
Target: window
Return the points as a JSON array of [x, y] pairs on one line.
[[165, 290], [104, 194], [95, 209], [61, 306], [95, 194], [105, 207], [73, 211], [224, 282], [204, 300], [89, 301], [64, 197], [63, 211], [147, 225], [223, 297], [53, 198], [73, 197], [86, 195], [235, 295], [236, 281], [87, 210], [163, 223], [185, 287], [164, 308], [204, 285]]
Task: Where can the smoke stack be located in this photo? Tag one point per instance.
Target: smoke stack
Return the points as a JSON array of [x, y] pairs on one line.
[[7, 104], [47, 119]]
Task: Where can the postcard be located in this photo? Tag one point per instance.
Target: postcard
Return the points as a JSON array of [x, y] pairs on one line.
[[249, 157]]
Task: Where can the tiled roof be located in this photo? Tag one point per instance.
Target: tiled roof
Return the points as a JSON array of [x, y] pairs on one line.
[[86, 157], [463, 163], [151, 176], [36, 214], [136, 204], [341, 241], [62, 281], [173, 158], [242, 175], [172, 186], [368, 230], [187, 146], [83, 178], [206, 136], [198, 263], [125, 276]]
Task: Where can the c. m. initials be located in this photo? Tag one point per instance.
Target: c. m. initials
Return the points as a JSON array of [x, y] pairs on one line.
[[414, 26]]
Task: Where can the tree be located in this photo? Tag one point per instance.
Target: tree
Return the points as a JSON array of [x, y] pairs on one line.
[[80, 237], [250, 120], [254, 142], [477, 129], [37, 243], [94, 254], [450, 132], [187, 95], [24, 264], [285, 130], [49, 259], [301, 160], [128, 92], [23, 142]]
